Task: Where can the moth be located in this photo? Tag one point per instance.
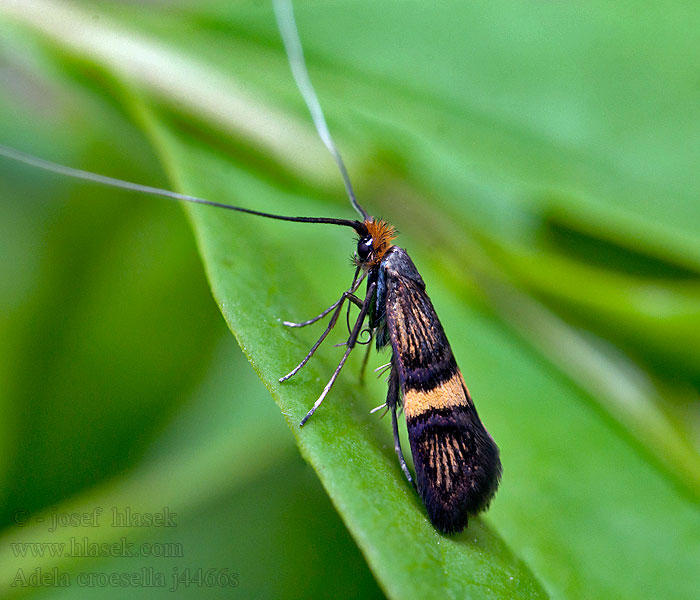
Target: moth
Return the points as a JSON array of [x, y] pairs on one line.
[[457, 464]]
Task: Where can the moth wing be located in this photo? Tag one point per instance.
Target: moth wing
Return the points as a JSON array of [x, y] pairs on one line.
[[456, 461]]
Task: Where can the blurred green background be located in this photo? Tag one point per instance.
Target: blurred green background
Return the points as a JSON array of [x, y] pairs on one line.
[[540, 161]]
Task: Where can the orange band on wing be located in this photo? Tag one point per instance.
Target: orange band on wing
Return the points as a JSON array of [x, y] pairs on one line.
[[445, 395]]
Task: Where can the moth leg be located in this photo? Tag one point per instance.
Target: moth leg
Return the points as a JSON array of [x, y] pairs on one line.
[[392, 401], [347, 319], [355, 284], [357, 302], [334, 319], [363, 368], [397, 447], [331, 324], [383, 369], [346, 295], [350, 345], [376, 408]]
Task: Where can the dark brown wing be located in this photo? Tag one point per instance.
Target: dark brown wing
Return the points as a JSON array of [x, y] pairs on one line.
[[457, 463]]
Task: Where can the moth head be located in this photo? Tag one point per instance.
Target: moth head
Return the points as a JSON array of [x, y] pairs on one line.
[[373, 245]]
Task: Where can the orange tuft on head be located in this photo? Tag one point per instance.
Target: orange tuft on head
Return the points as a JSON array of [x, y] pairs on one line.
[[382, 235]]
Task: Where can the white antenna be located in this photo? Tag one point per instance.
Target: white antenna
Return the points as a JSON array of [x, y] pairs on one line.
[[284, 14], [154, 191], [290, 36], [47, 165]]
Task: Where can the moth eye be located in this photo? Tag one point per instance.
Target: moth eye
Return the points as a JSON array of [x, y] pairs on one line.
[[364, 247]]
